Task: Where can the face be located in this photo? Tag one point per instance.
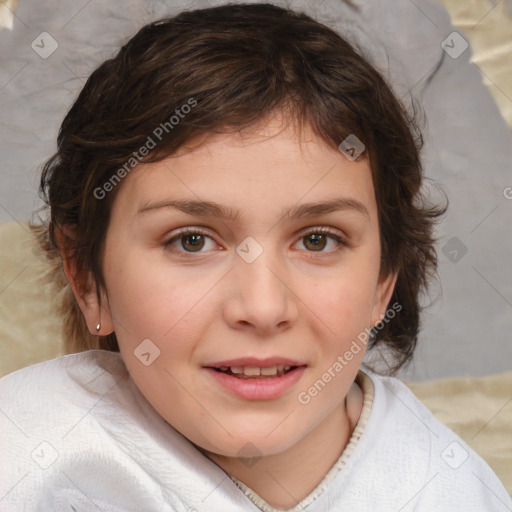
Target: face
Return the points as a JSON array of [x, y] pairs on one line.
[[248, 266]]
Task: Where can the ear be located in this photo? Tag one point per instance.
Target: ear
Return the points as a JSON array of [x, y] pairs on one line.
[[383, 294], [84, 287]]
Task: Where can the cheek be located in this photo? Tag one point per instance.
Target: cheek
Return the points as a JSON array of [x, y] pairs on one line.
[[343, 298], [146, 296]]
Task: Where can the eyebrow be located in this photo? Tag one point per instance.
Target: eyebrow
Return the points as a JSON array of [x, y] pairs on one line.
[[212, 209]]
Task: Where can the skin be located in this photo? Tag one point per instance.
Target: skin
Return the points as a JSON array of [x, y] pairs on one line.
[[292, 301]]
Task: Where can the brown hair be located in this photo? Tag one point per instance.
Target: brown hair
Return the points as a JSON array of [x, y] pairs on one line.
[[239, 63]]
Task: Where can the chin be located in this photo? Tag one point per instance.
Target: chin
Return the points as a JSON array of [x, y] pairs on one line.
[[246, 447]]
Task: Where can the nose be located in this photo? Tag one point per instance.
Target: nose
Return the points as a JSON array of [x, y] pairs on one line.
[[261, 298]]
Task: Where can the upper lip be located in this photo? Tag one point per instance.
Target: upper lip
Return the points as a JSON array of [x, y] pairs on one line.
[[255, 362]]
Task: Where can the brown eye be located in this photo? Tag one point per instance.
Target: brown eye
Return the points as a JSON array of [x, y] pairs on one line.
[[192, 243], [315, 241], [322, 241]]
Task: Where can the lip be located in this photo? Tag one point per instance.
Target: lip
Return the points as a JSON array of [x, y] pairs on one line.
[[256, 389], [254, 361]]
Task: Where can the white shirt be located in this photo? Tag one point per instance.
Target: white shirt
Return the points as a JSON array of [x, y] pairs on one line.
[[77, 435]]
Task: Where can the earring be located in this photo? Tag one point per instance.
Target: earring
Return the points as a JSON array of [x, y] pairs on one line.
[[98, 327]]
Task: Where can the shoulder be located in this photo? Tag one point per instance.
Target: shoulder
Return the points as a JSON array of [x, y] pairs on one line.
[[62, 385], [438, 470], [82, 363], [71, 379], [46, 400], [76, 430], [68, 367], [49, 418]]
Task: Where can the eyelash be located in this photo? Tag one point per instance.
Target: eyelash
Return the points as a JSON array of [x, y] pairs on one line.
[[342, 243]]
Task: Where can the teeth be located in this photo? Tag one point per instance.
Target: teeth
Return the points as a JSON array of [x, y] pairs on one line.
[[251, 371], [254, 371], [272, 370]]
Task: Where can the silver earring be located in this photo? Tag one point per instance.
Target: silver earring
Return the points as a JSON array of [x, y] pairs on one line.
[[98, 327]]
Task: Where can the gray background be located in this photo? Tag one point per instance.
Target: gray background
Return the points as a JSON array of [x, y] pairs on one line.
[[468, 145]]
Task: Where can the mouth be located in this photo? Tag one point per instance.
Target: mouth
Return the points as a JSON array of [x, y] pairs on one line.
[[257, 379], [256, 368], [255, 372]]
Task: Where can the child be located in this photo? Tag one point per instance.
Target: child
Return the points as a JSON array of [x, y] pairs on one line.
[[236, 202]]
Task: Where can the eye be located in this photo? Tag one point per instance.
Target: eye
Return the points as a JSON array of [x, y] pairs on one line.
[[190, 240], [317, 239]]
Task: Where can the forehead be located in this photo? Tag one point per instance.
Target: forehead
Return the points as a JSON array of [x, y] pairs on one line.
[[273, 162]]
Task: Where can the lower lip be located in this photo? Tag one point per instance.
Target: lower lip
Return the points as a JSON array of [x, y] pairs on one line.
[[258, 389]]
